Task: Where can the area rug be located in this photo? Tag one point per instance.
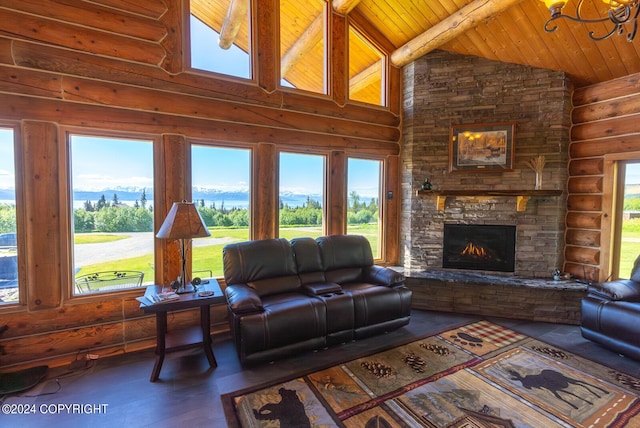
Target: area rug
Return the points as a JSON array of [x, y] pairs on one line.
[[477, 375]]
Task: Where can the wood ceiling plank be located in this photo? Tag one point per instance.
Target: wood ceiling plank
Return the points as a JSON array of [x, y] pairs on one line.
[[538, 52], [384, 18]]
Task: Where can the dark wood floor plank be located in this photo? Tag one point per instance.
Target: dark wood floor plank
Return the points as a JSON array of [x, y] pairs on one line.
[[187, 394]]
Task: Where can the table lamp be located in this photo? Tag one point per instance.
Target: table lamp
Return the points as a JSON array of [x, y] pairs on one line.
[[183, 222]]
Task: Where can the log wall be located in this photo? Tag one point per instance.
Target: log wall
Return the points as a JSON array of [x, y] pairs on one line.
[[117, 67], [605, 130]]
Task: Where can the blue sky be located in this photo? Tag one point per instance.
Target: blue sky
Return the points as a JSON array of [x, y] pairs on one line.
[[102, 163], [7, 168]]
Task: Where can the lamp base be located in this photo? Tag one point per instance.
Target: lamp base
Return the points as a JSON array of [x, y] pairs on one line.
[[187, 288]]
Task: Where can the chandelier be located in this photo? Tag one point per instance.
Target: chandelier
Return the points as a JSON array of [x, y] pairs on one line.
[[622, 16]]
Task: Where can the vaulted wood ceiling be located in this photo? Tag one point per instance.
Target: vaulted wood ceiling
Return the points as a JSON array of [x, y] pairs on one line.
[[503, 30]]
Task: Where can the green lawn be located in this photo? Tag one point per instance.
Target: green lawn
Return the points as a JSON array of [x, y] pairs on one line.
[[629, 251], [209, 257]]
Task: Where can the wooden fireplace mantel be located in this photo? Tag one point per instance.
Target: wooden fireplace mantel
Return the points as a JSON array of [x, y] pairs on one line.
[[522, 196]]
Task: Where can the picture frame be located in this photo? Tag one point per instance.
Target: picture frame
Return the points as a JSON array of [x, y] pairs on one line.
[[482, 147]]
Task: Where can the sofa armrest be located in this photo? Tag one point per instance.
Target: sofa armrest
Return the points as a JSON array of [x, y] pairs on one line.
[[319, 289], [381, 275], [243, 299], [622, 289]]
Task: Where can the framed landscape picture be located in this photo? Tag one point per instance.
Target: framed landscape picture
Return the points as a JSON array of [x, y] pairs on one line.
[[481, 147]]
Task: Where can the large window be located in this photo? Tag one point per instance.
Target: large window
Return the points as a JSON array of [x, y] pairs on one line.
[[301, 195], [221, 37], [303, 59], [627, 231], [363, 205], [220, 189], [366, 70], [112, 187], [8, 238]]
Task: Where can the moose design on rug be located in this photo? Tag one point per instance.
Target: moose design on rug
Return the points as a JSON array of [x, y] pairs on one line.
[[555, 382]]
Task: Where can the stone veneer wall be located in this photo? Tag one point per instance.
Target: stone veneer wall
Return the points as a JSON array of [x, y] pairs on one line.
[[443, 89]]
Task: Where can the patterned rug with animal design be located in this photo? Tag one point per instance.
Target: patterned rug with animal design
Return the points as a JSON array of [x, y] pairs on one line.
[[477, 375]]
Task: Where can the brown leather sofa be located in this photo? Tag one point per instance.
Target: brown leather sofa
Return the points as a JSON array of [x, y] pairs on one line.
[[610, 314], [287, 297]]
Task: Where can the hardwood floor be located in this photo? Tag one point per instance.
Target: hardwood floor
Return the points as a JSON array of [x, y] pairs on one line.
[[188, 391]]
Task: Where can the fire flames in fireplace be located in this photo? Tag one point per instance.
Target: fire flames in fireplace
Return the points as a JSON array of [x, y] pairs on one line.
[[475, 251], [479, 247]]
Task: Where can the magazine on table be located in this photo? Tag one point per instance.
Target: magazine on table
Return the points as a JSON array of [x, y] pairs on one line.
[[155, 298]]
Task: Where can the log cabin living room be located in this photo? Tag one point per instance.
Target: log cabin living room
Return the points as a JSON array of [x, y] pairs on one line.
[[506, 127]]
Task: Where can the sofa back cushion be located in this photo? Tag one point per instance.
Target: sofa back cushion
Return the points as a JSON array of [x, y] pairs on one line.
[[340, 251], [308, 260], [267, 266], [344, 256]]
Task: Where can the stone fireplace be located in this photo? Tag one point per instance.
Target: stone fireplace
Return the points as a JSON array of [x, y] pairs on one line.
[[479, 247], [443, 89]]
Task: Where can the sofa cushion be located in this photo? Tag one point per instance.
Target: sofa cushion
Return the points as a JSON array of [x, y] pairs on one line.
[[287, 318], [341, 276], [266, 265]]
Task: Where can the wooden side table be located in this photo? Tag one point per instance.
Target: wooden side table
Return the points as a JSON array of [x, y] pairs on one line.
[[185, 338]]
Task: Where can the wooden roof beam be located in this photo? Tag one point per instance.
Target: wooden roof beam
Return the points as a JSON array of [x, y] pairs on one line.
[[367, 76], [311, 37], [343, 7], [466, 18], [236, 14]]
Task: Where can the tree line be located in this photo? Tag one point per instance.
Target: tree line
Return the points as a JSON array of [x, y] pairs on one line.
[[112, 216]]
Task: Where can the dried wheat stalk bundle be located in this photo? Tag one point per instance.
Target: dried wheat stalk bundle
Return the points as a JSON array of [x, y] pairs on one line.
[[536, 163]]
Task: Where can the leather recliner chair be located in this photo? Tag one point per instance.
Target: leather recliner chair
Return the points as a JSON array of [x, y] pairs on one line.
[[610, 314]]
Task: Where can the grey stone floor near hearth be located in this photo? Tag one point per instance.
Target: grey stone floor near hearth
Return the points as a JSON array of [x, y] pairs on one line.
[[188, 391]]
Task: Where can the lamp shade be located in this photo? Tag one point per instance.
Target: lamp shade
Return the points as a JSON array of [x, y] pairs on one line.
[[183, 222]]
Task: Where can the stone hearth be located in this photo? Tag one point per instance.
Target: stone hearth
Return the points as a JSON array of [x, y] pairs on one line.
[[540, 299]]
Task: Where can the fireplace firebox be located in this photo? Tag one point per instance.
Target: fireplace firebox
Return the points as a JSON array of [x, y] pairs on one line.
[[479, 247]]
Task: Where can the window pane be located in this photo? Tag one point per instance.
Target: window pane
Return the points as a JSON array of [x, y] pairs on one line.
[[301, 195], [630, 231], [220, 178], [112, 187], [302, 44], [363, 193], [366, 70], [8, 241], [229, 56]]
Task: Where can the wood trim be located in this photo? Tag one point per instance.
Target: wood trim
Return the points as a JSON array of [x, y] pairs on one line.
[[339, 59], [264, 195], [337, 193], [171, 170], [42, 203], [266, 53]]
